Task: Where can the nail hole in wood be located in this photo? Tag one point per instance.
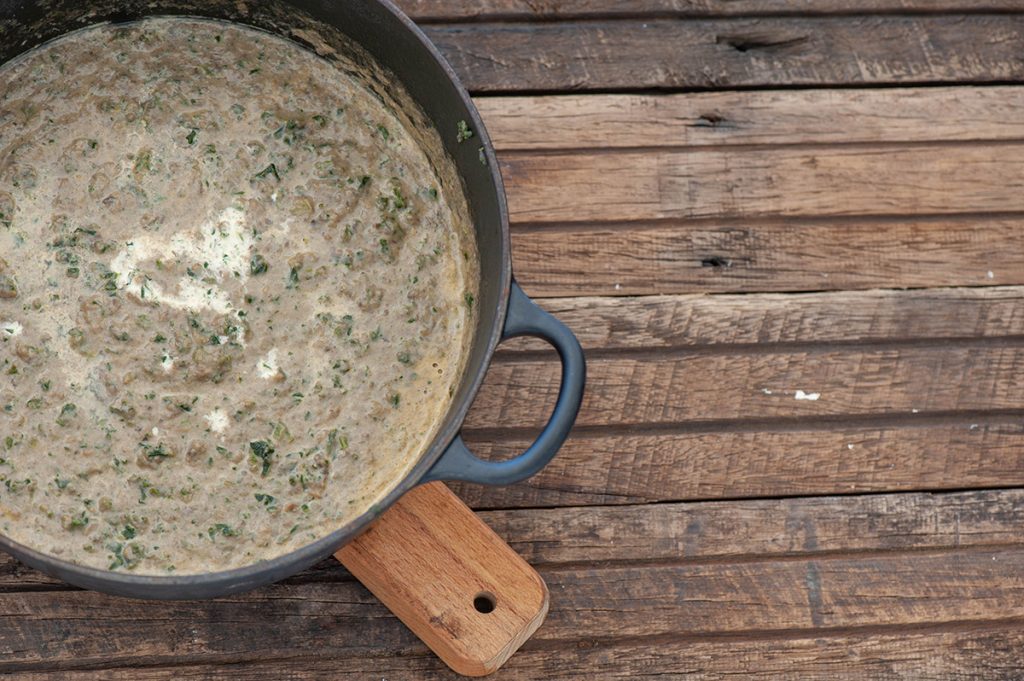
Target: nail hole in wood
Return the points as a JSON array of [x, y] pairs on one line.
[[716, 261], [485, 602]]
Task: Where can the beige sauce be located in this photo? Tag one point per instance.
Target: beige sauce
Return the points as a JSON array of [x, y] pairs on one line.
[[234, 297]]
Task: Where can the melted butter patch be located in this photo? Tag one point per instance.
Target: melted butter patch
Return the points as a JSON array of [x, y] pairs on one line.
[[218, 420], [11, 329], [267, 367], [223, 248]]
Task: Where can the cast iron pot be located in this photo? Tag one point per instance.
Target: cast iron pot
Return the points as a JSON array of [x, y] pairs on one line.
[[383, 34]]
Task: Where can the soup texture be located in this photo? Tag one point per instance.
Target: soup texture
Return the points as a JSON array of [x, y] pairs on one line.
[[235, 296]]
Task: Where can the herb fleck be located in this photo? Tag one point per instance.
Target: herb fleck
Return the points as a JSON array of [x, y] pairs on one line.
[[258, 265], [223, 530], [262, 451], [67, 413], [269, 170]]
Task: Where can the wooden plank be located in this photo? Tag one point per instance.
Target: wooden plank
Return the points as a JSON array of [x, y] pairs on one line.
[[754, 255], [533, 10], [629, 466], [751, 597], [713, 54], [717, 531], [841, 316], [730, 530], [791, 182], [746, 599], [754, 117], [985, 653], [688, 386]]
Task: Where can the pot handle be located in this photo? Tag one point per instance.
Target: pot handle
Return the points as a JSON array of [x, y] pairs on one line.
[[525, 318]]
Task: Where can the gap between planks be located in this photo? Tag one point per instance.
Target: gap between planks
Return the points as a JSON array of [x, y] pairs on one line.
[[435, 11]]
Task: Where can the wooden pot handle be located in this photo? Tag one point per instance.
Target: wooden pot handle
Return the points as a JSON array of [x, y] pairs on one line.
[[453, 581]]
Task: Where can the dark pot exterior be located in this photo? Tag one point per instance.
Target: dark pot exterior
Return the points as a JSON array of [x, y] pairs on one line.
[[504, 311]]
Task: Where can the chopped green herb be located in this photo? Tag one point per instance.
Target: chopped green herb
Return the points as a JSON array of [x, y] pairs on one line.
[[258, 265], [67, 413], [464, 132], [269, 170], [265, 499], [398, 200], [281, 433], [191, 136], [262, 451], [155, 453], [222, 530]]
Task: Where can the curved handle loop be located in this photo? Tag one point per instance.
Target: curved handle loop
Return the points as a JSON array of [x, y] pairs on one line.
[[525, 319]]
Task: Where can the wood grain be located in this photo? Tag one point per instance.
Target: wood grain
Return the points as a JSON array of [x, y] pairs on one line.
[[754, 117], [711, 54], [747, 255], [823, 594], [448, 10], [737, 530], [985, 653], [719, 531], [767, 218], [429, 559], [682, 321], [712, 386], [635, 465], [791, 182], [964, 589], [759, 444]]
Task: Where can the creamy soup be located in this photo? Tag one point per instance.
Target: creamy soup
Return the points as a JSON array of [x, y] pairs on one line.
[[235, 297]]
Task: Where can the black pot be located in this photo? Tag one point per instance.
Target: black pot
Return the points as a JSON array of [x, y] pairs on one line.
[[367, 30]]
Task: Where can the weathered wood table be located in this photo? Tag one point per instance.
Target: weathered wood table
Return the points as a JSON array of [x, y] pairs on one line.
[[790, 236]]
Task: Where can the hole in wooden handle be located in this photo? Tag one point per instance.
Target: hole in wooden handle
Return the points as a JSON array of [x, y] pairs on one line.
[[485, 602]]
